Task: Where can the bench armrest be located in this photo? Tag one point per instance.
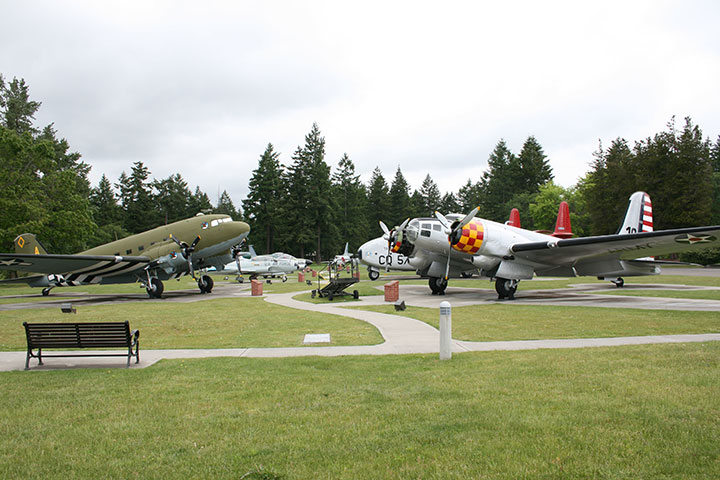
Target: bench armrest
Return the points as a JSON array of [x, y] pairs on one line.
[[135, 334]]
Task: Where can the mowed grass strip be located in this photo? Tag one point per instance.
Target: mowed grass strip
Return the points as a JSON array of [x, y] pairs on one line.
[[219, 323], [690, 294], [613, 413], [482, 323]]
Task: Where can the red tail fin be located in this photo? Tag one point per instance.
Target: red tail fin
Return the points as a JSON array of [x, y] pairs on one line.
[[514, 218], [562, 226]]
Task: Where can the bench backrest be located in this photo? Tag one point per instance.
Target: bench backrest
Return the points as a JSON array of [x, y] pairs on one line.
[[78, 335]]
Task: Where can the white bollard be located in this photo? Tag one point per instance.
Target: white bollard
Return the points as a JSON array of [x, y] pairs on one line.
[[445, 331]]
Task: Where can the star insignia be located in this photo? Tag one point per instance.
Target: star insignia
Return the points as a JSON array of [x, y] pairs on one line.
[[14, 262], [691, 239]]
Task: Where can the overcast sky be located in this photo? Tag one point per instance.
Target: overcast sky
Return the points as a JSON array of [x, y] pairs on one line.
[[200, 88]]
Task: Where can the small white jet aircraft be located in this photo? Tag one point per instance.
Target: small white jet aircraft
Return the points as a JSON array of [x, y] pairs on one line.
[[376, 256], [442, 247], [276, 265], [341, 260]]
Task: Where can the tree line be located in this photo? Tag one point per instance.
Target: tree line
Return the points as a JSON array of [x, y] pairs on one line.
[[309, 209]]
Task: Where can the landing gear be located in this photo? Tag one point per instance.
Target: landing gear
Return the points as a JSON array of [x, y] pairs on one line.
[[438, 285], [284, 278], [206, 284], [619, 282], [155, 288], [373, 274], [46, 291], [506, 288]]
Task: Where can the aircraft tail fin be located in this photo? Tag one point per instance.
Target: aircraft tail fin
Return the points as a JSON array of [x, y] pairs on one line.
[[252, 251], [639, 216], [27, 243], [346, 253], [514, 220], [562, 225]]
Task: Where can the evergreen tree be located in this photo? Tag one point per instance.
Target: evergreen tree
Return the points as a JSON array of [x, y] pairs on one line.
[[106, 210], [430, 196], [535, 170], [449, 204], [613, 181], [200, 202], [17, 111], [173, 199], [500, 182], [350, 194], [262, 205], [139, 212], [715, 159], [378, 200], [311, 207], [225, 205], [399, 195], [469, 196]]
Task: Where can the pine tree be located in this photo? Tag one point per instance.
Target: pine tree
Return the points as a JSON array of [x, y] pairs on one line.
[[17, 111], [348, 190], [225, 205], [136, 197], [378, 200], [173, 199], [266, 193], [535, 170], [399, 199], [469, 196], [500, 182], [430, 196], [106, 210]]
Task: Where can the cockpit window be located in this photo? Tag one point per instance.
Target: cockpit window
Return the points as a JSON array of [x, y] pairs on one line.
[[436, 227]]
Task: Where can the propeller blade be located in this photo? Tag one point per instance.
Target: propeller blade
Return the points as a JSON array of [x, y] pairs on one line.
[[443, 220], [467, 218], [404, 224], [195, 242], [384, 228]]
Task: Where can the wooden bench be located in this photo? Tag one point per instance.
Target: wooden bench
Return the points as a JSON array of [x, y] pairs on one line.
[[81, 335]]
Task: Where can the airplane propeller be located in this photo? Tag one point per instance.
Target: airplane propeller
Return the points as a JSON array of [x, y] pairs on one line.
[[452, 230], [390, 236], [187, 251]]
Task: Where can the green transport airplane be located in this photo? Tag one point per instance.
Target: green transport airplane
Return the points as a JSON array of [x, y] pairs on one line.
[[165, 252]]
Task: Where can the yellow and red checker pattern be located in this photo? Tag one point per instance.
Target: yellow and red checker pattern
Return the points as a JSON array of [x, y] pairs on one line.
[[471, 238]]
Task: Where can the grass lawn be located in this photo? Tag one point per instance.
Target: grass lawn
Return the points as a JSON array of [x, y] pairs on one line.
[[211, 323], [482, 323], [692, 294], [641, 412]]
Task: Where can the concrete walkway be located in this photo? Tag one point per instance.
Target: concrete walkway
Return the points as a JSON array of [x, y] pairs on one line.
[[402, 335]]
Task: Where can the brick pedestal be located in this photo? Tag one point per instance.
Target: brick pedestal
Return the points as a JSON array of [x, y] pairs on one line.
[[301, 277], [392, 291], [256, 288]]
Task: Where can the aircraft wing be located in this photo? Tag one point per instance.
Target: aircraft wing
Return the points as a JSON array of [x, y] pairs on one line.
[[623, 247], [64, 264]]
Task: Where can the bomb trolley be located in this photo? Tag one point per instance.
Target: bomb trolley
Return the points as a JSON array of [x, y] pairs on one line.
[[337, 282]]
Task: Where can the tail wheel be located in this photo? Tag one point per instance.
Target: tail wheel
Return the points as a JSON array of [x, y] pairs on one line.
[[506, 288], [155, 289], [206, 284]]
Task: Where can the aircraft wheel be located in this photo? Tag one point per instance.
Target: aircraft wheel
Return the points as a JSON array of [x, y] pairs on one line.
[[438, 285], [330, 296], [284, 278], [155, 289], [373, 275], [466, 274], [506, 288], [620, 282], [206, 284], [46, 291], [356, 294]]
